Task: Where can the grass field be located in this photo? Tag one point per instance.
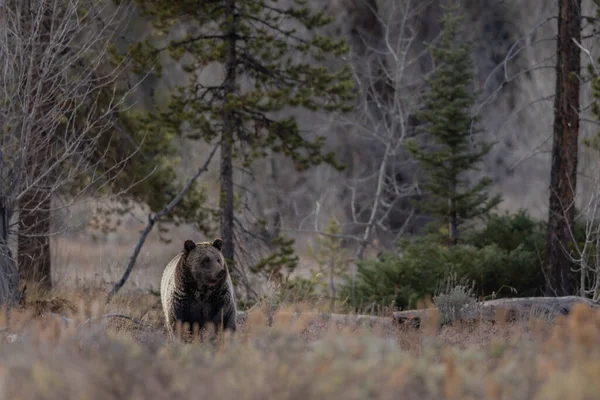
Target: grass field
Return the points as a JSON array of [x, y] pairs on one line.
[[90, 357], [90, 257]]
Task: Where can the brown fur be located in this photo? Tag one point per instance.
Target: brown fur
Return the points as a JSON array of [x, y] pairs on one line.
[[196, 288]]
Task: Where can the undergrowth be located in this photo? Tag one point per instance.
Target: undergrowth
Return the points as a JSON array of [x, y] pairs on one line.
[[86, 356]]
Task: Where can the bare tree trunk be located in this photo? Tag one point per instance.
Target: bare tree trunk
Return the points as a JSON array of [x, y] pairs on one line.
[[226, 200], [8, 269], [452, 230], [452, 220], [5, 214], [366, 38], [34, 241], [332, 283], [53, 122], [563, 175], [277, 222], [33, 247]]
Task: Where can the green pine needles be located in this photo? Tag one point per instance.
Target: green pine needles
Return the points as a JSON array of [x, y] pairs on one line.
[[270, 56], [446, 119]]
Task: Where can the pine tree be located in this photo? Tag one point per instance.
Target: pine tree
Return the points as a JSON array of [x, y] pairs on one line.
[[331, 259], [137, 158], [565, 145], [446, 119], [256, 46]]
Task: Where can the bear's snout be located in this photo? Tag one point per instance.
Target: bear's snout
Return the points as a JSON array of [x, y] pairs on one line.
[[214, 276]]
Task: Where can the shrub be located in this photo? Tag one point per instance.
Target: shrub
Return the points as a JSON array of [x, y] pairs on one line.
[[453, 296], [503, 258], [509, 232]]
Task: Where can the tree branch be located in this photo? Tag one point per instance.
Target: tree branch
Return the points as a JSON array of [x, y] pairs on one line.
[[153, 219]]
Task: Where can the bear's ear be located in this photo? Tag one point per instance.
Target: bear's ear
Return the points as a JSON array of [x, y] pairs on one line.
[[218, 243], [189, 245]]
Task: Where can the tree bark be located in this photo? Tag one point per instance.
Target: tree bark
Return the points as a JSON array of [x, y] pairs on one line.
[[226, 199], [452, 225], [5, 215], [8, 270], [33, 247], [563, 175], [33, 241]]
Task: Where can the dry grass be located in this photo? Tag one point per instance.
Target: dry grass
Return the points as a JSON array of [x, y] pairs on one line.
[[86, 256], [44, 357]]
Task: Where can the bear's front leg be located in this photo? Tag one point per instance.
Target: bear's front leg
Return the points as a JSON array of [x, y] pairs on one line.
[[225, 320]]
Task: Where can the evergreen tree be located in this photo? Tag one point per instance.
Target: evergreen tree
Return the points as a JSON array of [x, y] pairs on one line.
[[446, 119], [565, 145], [279, 65]]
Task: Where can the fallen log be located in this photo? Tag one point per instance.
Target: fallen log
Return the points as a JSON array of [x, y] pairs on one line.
[[509, 309], [492, 310], [313, 317]]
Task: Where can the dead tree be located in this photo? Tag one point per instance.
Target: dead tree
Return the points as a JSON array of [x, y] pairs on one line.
[[52, 76], [385, 68]]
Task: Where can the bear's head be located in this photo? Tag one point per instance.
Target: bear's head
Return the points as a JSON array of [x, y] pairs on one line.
[[205, 262]]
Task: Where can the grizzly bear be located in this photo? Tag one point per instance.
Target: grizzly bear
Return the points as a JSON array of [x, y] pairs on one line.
[[196, 288]]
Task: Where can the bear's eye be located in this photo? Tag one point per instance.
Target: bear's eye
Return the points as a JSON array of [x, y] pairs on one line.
[[219, 261], [205, 261]]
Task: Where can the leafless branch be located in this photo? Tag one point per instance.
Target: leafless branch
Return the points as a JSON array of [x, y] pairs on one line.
[[384, 62], [385, 76], [589, 54], [153, 219], [60, 99]]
